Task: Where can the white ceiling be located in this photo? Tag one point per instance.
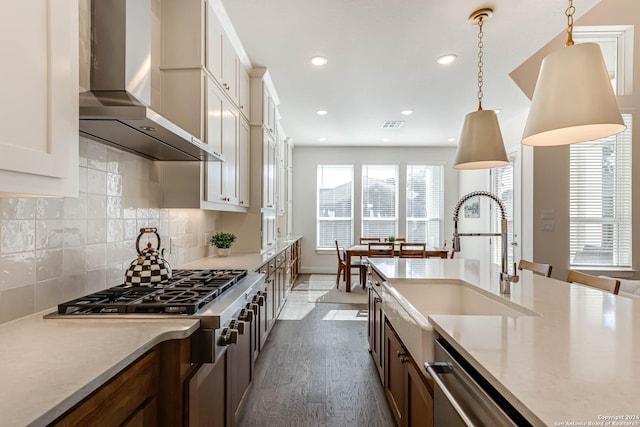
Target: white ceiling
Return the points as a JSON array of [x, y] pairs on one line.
[[382, 59]]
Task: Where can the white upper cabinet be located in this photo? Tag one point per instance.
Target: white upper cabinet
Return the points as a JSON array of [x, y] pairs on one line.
[[244, 93], [39, 138]]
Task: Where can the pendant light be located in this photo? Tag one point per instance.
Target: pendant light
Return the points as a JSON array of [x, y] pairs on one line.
[[480, 145], [573, 100]]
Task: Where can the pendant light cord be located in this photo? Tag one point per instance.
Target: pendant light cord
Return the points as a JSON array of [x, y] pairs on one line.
[[569, 12], [480, 64]]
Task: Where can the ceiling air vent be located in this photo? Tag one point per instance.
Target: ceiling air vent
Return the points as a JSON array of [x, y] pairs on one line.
[[392, 124]]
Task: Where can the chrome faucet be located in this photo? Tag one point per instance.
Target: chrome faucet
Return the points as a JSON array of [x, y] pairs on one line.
[[505, 278]]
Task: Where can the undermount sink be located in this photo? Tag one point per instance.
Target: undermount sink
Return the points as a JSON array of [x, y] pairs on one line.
[[447, 298]]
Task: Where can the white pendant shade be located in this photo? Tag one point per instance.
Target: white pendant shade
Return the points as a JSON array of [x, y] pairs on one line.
[[573, 100], [480, 145]]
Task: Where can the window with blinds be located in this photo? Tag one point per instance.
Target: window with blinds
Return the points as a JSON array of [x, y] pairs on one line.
[[502, 186], [425, 195], [335, 205], [379, 200], [600, 201]]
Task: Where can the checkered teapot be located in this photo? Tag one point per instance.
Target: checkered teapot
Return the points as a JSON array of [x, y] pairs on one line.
[[150, 268]]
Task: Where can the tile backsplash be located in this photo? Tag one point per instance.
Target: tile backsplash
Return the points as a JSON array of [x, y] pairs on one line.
[[52, 250]]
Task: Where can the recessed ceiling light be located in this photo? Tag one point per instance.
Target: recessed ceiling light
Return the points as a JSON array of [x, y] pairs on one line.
[[322, 112], [323, 139], [385, 139], [406, 112], [447, 59], [319, 60], [451, 139]]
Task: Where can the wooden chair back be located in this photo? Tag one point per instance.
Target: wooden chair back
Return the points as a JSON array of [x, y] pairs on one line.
[[365, 240], [380, 250], [536, 267], [608, 284], [401, 239], [413, 250], [340, 258]]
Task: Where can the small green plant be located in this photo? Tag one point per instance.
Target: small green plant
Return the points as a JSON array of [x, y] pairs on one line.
[[391, 239], [223, 240]]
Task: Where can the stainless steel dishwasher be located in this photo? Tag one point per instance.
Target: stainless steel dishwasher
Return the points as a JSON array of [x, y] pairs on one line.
[[462, 397]]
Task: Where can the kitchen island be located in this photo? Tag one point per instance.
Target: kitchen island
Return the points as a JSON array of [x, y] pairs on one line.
[[558, 352]]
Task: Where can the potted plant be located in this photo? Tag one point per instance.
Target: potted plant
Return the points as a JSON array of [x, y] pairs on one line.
[[391, 239], [223, 241]]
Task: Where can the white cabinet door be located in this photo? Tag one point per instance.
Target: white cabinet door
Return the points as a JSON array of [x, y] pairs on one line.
[[230, 119], [215, 111], [230, 70], [244, 94], [268, 172], [39, 102], [215, 37], [243, 165]]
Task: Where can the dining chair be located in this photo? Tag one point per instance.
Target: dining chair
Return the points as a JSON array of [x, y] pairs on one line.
[[608, 284], [413, 250], [365, 240], [380, 250], [536, 267], [400, 239], [342, 268]]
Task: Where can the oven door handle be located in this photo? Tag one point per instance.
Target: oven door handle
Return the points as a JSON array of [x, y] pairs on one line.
[[443, 368]]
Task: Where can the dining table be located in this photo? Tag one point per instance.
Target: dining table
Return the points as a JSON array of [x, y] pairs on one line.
[[363, 251]]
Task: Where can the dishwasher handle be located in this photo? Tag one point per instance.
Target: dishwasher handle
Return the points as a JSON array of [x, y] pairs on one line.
[[444, 368]]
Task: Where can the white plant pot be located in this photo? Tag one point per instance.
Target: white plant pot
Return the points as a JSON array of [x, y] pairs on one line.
[[223, 251]]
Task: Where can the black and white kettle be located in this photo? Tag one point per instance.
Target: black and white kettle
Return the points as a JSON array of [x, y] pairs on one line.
[[150, 268]]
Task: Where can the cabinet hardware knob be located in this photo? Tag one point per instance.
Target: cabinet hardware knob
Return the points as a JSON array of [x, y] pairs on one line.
[[403, 359]]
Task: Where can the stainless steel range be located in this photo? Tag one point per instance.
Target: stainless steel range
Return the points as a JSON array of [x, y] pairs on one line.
[[223, 301]]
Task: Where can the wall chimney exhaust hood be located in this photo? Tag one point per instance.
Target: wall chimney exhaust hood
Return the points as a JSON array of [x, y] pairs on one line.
[[116, 110]]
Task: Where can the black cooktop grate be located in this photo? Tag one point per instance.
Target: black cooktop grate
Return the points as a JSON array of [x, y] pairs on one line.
[[186, 293]]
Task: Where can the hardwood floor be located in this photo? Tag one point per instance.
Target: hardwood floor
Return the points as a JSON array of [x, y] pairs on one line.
[[317, 371]]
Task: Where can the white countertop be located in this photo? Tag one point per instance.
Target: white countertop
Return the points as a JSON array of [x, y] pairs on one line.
[[49, 365], [578, 360], [247, 261]]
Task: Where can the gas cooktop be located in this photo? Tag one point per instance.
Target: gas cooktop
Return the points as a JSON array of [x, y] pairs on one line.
[[187, 292]]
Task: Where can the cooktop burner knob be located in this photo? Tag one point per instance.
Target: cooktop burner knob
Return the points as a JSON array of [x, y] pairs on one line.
[[229, 336], [238, 325], [246, 314], [259, 299]]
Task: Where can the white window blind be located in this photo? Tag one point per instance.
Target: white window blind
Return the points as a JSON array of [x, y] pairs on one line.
[[600, 201], [335, 205], [502, 186], [379, 200], [425, 196]]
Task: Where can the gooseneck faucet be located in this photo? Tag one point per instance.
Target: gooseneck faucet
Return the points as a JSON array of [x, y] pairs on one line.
[[505, 278]]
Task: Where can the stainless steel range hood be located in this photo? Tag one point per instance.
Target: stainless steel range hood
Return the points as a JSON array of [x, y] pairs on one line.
[[116, 111]]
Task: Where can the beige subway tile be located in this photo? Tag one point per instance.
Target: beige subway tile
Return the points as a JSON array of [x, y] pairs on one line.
[[96, 206], [74, 285], [17, 236], [114, 184], [49, 233], [18, 208], [49, 208], [114, 160], [49, 264], [114, 207], [96, 231], [16, 302], [96, 182], [17, 270], [48, 294], [74, 260], [96, 280], [96, 155], [96, 256], [75, 233]]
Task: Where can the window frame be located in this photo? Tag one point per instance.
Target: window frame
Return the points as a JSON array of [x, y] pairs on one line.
[[320, 219], [440, 218]]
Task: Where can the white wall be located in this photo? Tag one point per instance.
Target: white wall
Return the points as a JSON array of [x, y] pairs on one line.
[[305, 161]]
